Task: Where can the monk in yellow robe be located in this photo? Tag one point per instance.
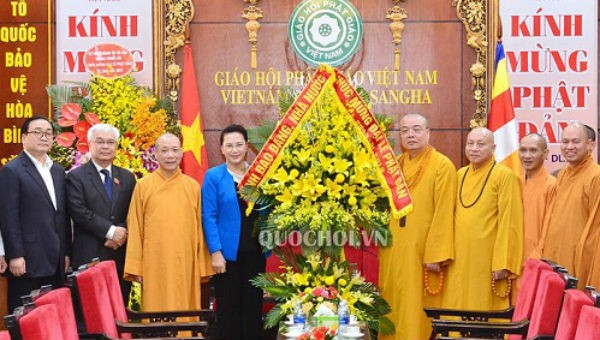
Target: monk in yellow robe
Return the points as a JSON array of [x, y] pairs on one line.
[[166, 251], [593, 278], [570, 231], [488, 230], [423, 240], [537, 187]]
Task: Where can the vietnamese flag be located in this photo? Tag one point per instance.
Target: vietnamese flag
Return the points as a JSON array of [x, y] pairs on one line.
[[195, 160]]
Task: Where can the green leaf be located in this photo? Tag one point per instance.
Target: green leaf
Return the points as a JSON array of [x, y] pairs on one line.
[[264, 280], [386, 326], [259, 135], [250, 193], [273, 317], [61, 94], [280, 292], [287, 97]]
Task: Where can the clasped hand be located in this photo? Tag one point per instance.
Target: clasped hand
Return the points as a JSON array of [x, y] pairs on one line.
[[119, 238]]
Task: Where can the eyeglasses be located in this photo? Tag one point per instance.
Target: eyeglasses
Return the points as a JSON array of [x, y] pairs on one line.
[[39, 134], [109, 142]]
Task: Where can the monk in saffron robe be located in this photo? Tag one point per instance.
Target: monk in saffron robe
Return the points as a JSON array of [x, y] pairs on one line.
[[488, 230], [570, 234], [593, 278], [423, 240], [166, 251], [537, 187]]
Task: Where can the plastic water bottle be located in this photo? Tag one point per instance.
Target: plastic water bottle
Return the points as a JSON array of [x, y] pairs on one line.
[[299, 317], [343, 315]]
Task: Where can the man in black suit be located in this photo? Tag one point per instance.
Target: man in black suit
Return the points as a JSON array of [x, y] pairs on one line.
[[33, 214], [98, 195], [3, 264]]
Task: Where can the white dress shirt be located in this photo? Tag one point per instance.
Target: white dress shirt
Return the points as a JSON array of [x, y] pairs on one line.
[[44, 171], [1, 246]]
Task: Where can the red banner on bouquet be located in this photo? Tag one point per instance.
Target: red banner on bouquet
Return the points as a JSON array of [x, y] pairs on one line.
[[390, 173], [269, 156], [376, 140]]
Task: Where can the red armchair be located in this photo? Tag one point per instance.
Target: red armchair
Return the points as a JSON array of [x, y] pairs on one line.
[[61, 299], [588, 327], [29, 323], [543, 319], [41, 323], [123, 314], [548, 299], [91, 292], [570, 313], [523, 306]]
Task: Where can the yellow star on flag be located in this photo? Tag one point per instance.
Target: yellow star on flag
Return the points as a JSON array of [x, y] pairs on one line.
[[193, 138]]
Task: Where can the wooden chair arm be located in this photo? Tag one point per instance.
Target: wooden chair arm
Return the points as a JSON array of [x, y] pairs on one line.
[[470, 315], [162, 330], [480, 329], [207, 315]]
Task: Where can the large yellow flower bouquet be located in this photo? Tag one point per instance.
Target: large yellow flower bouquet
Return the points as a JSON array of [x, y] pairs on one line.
[[316, 280], [325, 193], [326, 187], [133, 109]]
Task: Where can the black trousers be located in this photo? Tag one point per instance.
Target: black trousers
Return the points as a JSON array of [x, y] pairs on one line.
[[20, 286], [239, 304], [125, 290]]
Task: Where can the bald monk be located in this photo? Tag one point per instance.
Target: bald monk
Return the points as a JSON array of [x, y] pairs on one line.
[[591, 135], [536, 188], [488, 230], [166, 251], [571, 231], [422, 242]]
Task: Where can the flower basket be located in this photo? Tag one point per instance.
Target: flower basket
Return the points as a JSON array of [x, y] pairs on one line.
[[324, 185], [316, 280], [133, 109]]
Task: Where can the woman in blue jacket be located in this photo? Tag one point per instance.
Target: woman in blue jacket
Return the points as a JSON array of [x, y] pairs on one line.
[[235, 252]]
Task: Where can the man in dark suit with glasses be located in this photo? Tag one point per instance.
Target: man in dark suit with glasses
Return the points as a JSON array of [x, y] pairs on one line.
[[33, 216], [98, 196]]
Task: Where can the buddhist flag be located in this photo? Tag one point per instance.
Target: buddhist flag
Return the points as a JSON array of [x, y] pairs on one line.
[[195, 161], [501, 118]]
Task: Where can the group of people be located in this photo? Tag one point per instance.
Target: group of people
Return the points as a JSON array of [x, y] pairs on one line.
[[162, 231], [463, 246], [471, 230]]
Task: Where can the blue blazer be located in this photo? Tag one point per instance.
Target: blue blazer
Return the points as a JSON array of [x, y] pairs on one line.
[[221, 215]]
